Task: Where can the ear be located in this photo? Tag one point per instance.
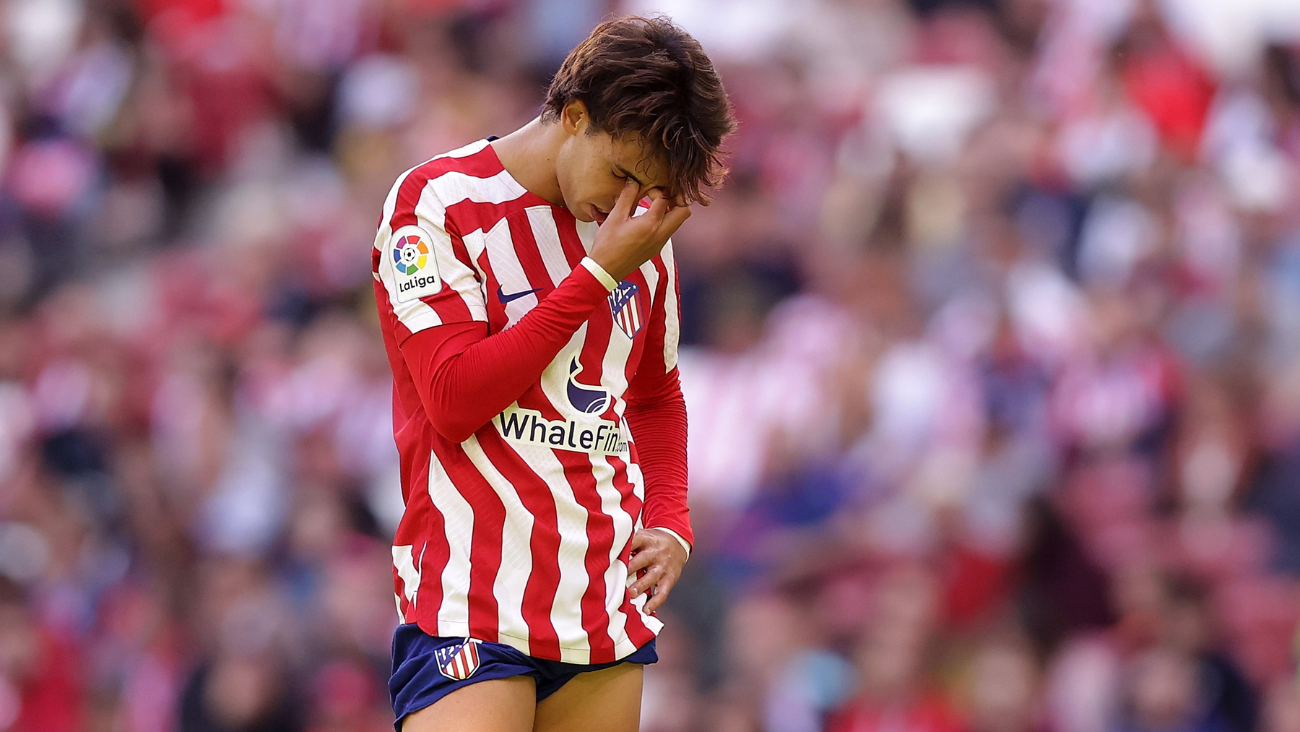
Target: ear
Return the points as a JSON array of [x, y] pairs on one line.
[[574, 118]]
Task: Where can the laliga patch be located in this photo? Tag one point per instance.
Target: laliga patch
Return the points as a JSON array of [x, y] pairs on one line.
[[415, 268]]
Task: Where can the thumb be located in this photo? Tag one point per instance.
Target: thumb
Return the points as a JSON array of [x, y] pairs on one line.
[[640, 540]]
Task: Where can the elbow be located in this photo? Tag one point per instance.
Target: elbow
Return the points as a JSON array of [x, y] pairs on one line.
[[454, 430]]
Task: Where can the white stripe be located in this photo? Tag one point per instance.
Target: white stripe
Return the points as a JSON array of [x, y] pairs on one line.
[[624, 526], [613, 376], [455, 274], [475, 243], [571, 521], [548, 243], [415, 315], [652, 623], [651, 274], [672, 319], [404, 561], [587, 234], [465, 151], [570, 518], [516, 553], [458, 522], [454, 187], [509, 271], [637, 478]]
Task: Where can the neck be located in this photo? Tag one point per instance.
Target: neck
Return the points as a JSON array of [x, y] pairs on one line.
[[528, 154]]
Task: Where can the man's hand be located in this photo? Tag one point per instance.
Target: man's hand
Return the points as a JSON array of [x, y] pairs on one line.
[[625, 242], [662, 557]]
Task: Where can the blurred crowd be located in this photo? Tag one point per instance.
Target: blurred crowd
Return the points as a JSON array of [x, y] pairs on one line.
[[991, 354]]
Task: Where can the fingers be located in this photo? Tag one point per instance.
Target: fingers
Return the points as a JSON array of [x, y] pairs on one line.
[[660, 594], [653, 559], [673, 219], [626, 201], [640, 560], [659, 207], [651, 578]]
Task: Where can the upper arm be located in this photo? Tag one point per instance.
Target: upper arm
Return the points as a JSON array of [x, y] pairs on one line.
[[656, 372], [422, 263]]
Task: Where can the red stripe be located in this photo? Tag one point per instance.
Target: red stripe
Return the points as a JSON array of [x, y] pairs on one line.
[[581, 478], [447, 302], [485, 539], [482, 164], [449, 305], [421, 520], [530, 258], [636, 630], [460, 251], [544, 543], [567, 226], [653, 341], [471, 216], [600, 539], [497, 318]]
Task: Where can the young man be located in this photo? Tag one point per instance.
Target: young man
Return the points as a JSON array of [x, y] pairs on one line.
[[529, 310]]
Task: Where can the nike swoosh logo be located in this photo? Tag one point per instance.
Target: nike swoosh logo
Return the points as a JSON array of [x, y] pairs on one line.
[[504, 298]]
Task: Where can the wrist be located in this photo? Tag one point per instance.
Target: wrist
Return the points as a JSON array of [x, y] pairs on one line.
[[678, 537], [601, 273]]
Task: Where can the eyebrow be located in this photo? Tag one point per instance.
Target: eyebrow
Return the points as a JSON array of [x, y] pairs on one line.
[[630, 174]]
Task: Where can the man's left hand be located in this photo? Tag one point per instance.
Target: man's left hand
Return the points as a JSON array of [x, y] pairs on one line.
[[662, 558]]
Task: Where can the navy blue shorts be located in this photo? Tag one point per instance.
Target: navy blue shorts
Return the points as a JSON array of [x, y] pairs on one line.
[[426, 668]]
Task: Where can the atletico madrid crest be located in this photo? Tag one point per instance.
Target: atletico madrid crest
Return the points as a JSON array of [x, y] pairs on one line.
[[458, 662], [625, 306]]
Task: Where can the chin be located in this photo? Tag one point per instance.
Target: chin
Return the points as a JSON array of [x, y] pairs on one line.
[[580, 213]]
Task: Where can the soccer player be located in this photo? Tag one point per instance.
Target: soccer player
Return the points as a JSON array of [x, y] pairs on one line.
[[528, 299]]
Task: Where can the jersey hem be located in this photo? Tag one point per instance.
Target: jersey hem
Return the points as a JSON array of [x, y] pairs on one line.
[[622, 648]]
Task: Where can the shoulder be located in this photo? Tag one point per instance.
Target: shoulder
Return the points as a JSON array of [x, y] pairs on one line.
[[465, 167], [465, 189]]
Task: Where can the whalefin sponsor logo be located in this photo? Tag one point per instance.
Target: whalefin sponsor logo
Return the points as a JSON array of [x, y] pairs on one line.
[[529, 427], [584, 397]]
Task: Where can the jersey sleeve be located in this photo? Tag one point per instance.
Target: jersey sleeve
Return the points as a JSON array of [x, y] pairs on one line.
[[665, 324], [656, 411], [422, 262]]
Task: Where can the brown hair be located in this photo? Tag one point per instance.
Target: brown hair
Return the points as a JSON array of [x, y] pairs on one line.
[[647, 78]]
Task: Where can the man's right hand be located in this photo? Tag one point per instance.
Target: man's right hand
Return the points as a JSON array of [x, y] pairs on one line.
[[625, 242]]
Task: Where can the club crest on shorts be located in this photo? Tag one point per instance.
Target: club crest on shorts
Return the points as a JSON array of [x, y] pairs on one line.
[[459, 662], [625, 306]]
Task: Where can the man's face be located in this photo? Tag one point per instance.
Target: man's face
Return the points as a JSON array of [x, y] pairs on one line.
[[592, 168]]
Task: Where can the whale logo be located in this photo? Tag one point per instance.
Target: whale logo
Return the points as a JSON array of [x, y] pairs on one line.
[[584, 398]]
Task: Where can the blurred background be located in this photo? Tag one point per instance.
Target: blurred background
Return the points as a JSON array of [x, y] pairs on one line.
[[991, 352]]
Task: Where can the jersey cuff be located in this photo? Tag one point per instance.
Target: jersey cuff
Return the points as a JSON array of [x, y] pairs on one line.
[[599, 273], [675, 535]]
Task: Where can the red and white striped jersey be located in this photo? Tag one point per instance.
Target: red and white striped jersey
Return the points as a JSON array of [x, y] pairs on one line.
[[520, 534]]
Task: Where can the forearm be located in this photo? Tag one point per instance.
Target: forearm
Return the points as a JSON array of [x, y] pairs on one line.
[[465, 377], [659, 429]]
